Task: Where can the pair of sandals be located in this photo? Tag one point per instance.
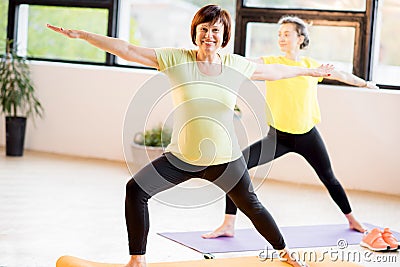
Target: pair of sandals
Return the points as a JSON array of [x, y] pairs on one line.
[[377, 240]]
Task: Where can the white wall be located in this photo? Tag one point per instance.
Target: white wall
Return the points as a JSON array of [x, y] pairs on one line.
[[361, 129], [86, 107]]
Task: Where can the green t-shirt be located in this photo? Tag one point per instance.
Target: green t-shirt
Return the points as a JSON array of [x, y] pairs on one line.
[[203, 131]]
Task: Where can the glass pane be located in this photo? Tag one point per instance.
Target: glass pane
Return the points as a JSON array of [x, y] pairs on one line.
[[164, 23], [387, 57], [328, 44], [3, 24], [44, 43], [350, 5]]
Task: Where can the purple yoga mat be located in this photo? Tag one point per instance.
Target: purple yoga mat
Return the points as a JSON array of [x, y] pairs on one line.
[[251, 240]]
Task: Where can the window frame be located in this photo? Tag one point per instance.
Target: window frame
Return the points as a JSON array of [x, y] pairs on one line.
[[112, 26], [363, 21]]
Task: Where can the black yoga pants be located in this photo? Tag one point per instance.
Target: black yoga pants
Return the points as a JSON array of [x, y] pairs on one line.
[[309, 145], [168, 171]]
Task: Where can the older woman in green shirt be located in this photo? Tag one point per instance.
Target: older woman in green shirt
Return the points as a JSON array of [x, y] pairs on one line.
[[203, 143]]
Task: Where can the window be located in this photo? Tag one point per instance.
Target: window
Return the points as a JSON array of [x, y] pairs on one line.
[[262, 39], [387, 58], [139, 21], [36, 41], [43, 43], [162, 23], [360, 36], [3, 24], [348, 5], [339, 37]]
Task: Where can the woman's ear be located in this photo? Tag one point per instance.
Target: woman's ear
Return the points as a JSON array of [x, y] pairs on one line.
[[301, 40]]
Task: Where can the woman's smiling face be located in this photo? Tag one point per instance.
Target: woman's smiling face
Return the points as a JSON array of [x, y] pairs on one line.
[[209, 37]]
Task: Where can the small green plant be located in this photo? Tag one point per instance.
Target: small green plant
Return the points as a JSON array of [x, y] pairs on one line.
[[158, 136], [17, 94]]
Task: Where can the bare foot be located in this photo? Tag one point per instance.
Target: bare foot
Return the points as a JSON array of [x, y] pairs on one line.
[[226, 229], [354, 224], [137, 261], [219, 232], [291, 258]]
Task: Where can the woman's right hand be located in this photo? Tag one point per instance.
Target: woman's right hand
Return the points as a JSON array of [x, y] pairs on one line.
[[67, 32], [120, 48]]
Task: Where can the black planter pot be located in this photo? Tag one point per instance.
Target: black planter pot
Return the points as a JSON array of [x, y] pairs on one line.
[[15, 136]]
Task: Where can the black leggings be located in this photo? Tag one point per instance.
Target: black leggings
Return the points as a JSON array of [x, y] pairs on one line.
[[309, 145], [168, 171]]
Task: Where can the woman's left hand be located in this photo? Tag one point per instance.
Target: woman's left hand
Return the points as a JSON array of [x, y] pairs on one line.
[[371, 85], [325, 70]]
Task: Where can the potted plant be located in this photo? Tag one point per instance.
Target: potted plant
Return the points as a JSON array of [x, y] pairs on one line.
[[155, 137], [17, 98], [150, 144]]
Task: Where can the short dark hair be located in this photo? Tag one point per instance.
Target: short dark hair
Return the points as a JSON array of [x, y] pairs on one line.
[[212, 14], [301, 28]]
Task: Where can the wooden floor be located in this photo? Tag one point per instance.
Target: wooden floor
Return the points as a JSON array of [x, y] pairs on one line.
[[53, 205]]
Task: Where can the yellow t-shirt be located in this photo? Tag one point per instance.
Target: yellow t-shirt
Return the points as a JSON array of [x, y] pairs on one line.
[[293, 102], [203, 131]]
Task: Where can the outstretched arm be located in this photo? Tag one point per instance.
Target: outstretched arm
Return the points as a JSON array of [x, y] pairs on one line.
[[257, 60], [272, 72], [115, 46], [351, 79]]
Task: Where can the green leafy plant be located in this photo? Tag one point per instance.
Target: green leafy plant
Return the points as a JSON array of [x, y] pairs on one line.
[[17, 94], [158, 136]]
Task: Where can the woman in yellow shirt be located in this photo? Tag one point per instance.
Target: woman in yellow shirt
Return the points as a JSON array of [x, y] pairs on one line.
[[295, 112]]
